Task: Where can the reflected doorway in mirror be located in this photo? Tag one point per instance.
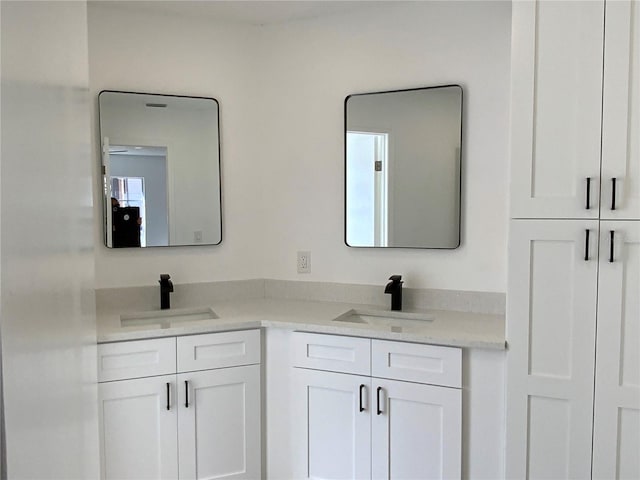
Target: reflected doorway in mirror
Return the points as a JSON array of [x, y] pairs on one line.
[[367, 190]]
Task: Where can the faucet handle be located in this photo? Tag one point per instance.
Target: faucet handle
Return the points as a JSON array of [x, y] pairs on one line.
[[164, 277], [395, 278]]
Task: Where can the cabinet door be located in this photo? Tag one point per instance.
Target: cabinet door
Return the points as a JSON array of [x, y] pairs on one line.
[[139, 429], [333, 425], [551, 314], [219, 423], [616, 441], [416, 431], [556, 101], [621, 112]]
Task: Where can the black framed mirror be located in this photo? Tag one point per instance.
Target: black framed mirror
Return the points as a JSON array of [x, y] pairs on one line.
[[160, 169], [403, 168]]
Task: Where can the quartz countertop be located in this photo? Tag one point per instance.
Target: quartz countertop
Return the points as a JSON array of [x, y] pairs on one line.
[[451, 328]]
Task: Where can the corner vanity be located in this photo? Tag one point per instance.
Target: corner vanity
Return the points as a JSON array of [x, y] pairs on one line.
[[280, 388]]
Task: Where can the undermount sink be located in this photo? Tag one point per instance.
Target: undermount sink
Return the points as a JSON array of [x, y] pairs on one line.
[[167, 318], [379, 318]]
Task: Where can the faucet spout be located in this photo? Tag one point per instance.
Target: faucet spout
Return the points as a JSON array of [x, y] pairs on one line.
[[394, 287], [166, 287]]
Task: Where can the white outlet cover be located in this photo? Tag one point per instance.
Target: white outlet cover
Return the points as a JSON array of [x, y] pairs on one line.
[[304, 262]]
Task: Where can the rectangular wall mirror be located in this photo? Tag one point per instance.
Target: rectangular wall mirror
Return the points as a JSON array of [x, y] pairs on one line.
[[402, 168], [160, 170]]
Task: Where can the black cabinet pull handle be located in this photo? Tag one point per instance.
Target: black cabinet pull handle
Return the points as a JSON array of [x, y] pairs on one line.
[[611, 233], [588, 204], [378, 410], [613, 193], [168, 396], [586, 245], [361, 405], [186, 394]]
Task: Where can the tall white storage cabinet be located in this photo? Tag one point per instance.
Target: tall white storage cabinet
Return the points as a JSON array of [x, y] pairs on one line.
[[573, 317]]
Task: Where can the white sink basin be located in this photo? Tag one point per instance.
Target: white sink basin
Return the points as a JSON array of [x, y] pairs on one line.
[[379, 318], [167, 318]]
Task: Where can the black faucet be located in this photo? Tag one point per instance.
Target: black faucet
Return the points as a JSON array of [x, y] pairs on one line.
[[394, 287], [166, 287]]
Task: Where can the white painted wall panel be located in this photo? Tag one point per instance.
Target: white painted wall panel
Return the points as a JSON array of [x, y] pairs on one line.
[[313, 65], [281, 89], [192, 56], [48, 309]]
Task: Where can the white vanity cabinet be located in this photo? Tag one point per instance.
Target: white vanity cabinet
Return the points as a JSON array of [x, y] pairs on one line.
[[185, 407], [376, 424], [575, 109]]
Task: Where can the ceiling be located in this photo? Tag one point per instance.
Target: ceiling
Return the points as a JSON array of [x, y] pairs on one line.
[[253, 12]]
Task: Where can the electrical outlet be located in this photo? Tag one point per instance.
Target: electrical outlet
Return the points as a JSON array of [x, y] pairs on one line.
[[304, 262]]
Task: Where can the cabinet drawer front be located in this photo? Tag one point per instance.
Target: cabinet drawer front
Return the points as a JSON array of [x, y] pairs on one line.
[[417, 363], [331, 352], [142, 358], [218, 350]]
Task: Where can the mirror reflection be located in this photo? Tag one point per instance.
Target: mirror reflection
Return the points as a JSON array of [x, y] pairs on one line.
[[161, 170], [402, 168]]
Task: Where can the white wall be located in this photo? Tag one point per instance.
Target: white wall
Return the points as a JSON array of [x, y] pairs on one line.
[[313, 65], [48, 305], [281, 89], [191, 56]]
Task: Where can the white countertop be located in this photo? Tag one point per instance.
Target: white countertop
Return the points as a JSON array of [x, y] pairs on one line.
[[452, 328]]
